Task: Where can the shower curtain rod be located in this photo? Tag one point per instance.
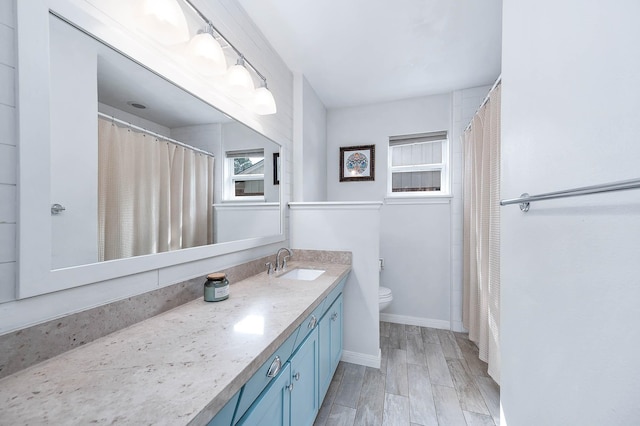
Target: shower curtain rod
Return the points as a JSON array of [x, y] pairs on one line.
[[485, 100], [157, 135]]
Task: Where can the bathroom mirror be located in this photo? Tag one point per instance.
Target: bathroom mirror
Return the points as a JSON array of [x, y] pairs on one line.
[[127, 191], [58, 163]]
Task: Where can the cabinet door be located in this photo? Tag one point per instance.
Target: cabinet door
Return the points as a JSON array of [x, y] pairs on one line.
[[335, 316], [325, 371], [272, 406], [225, 416], [304, 376]]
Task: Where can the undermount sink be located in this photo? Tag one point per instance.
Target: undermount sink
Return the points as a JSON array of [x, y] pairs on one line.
[[303, 274]]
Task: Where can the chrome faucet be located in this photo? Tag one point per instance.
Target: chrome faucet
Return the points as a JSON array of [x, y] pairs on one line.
[[284, 260]]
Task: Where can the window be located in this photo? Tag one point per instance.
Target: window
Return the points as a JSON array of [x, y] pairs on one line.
[[418, 164], [245, 174]]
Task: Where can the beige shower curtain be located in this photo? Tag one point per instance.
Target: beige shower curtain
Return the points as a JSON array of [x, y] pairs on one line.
[[481, 294], [153, 196]]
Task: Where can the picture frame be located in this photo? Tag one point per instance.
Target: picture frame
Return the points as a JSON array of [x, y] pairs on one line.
[[276, 168], [357, 163]]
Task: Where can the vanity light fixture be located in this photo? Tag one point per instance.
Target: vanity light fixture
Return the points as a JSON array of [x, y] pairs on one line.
[[206, 53], [164, 20], [237, 82], [264, 104]]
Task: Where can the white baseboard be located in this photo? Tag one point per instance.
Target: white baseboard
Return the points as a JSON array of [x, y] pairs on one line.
[[422, 322], [362, 359]]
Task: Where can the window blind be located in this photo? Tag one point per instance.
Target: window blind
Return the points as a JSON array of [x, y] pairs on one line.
[[417, 138], [246, 153]]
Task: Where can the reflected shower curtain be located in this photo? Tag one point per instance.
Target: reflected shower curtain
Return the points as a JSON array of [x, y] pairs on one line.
[[481, 290], [153, 196]]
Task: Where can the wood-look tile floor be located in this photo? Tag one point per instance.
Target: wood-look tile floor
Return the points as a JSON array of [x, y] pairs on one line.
[[427, 377]]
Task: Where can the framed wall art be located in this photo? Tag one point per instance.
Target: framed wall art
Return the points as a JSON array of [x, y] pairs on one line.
[[357, 163]]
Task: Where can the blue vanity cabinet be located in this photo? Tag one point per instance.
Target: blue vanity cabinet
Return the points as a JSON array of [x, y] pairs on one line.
[[306, 362], [324, 356], [272, 408], [335, 316], [225, 416], [304, 377], [265, 375], [330, 344]]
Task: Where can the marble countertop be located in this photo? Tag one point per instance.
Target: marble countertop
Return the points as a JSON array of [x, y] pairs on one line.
[[179, 367]]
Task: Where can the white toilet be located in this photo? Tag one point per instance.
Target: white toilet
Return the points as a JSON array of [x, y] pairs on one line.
[[384, 297], [384, 294]]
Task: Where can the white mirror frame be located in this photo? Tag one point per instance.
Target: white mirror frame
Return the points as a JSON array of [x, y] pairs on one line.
[[35, 276]]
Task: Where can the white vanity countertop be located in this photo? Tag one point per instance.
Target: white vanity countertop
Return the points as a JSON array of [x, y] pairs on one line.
[[178, 367]]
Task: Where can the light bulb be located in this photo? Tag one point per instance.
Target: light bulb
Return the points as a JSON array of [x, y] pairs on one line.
[[164, 21], [264, 103], [207, 55], [239, 81]]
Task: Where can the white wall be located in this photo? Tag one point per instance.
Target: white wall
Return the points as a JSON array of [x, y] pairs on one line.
[[348, 227], [310, 143], [235, 24], [570, 280], [314, 155], [415, 237], [414, 243], [8, 151], [239, 221], [373, 124]]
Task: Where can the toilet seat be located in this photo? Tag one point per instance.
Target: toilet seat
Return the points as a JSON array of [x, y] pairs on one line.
[[384, 293], [384, 297]]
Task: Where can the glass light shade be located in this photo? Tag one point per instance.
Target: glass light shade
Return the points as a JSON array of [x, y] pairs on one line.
[[239, 82], [264, 103], [164, 21], [207, 55]]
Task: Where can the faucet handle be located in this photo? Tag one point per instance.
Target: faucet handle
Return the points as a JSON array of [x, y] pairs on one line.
[[269, 266]]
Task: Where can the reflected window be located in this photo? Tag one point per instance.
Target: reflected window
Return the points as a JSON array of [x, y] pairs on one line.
[[245, 174]]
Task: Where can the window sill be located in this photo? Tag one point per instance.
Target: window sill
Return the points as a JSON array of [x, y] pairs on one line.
[[234, 204], [244, 200], [418, 199]]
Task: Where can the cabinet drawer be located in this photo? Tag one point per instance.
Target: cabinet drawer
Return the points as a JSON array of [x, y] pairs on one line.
[[333, 295], [310, 323], [261, 378]]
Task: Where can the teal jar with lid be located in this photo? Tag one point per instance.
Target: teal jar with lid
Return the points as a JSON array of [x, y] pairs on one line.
[[216, 288]]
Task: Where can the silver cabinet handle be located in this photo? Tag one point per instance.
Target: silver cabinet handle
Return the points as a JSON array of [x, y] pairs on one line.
[[312, 322], [290, 387], [297, 376], [274, 368], [334, 316]]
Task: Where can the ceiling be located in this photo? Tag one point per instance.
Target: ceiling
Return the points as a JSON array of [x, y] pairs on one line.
[[366, 51], [122, 82]]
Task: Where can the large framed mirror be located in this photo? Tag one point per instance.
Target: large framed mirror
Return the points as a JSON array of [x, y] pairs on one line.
[[141, 171]]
